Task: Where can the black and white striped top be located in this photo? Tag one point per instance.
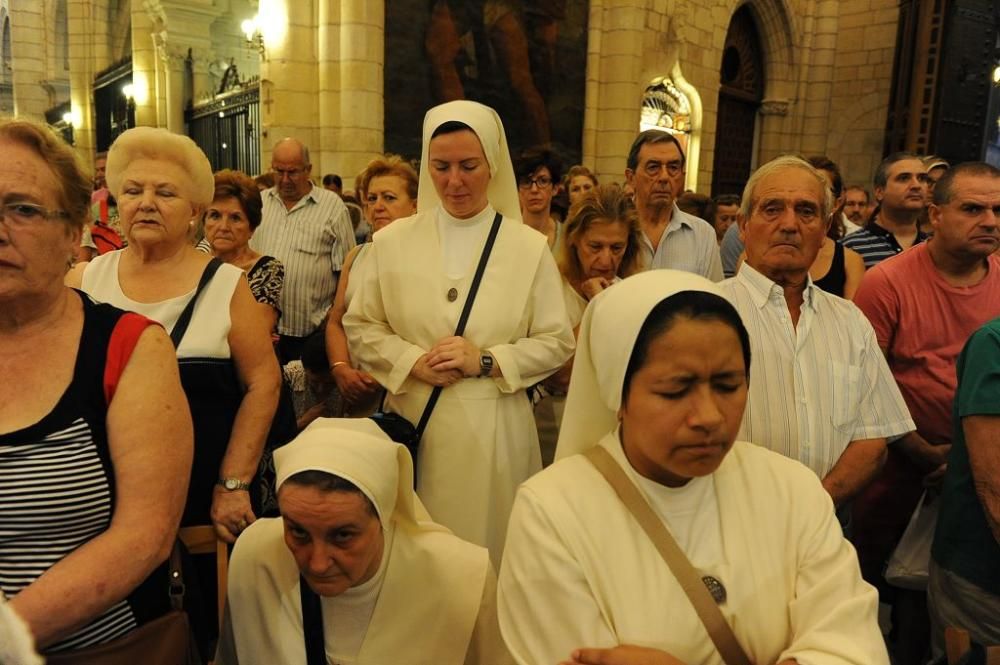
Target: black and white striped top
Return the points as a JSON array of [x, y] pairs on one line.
[[57, 485]]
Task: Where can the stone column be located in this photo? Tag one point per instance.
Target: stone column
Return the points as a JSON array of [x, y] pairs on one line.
[[89, 53], [173, 60], [288, 90], [146, 80], [361, 131], [819, 91], [614, 85], [27, 37]]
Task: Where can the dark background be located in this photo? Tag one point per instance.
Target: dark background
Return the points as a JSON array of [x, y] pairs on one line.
[[410, 90]]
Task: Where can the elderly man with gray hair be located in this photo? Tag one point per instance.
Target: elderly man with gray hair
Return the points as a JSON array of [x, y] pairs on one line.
[[821, 391]]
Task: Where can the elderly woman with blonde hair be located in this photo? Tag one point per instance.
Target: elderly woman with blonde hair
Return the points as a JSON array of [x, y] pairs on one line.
[[163, 182], [389, 187]]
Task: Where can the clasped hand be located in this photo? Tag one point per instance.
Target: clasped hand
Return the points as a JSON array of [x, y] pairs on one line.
[[447, 362]]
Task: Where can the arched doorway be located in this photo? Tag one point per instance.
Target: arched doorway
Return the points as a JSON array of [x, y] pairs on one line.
[[740, 94]]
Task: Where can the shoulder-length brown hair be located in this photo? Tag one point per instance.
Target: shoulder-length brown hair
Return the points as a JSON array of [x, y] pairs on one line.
[[606, 204]]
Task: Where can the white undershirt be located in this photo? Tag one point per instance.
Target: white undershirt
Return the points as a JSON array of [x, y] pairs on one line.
[[691, 513], [462, 240], [346, 617]]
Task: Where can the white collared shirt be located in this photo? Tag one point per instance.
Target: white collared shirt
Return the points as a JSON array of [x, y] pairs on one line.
[[816, 387], [311, 240], [688, 243]]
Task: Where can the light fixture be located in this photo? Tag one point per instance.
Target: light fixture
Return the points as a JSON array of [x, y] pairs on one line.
[[996, 75], [67, 118], [254, 35], [128, 90]]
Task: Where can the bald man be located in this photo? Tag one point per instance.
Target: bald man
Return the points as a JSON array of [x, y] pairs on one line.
[[309, 230]]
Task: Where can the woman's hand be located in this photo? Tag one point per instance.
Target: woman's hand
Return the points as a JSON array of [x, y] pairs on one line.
[[422, 371], [231, 513], [455, 353], [593, 286], [354, 384], [622, 655]]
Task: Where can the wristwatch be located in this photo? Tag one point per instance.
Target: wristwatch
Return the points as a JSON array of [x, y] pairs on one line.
[[232, 484], [485, 364]]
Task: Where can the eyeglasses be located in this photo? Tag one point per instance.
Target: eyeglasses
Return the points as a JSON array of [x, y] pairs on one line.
[[542, 182], [653, 168], [25, 214], [291, 173]]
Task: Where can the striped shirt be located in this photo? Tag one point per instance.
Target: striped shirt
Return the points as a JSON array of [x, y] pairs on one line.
[[818, 386], [57, 488], [311, 240], [689, 243], [876, 244]]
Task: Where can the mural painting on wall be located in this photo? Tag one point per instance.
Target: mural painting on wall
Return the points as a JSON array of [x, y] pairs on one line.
[[525, 58]]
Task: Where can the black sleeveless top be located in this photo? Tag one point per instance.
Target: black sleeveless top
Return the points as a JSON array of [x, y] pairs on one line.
[[57, 489], [836, 277]]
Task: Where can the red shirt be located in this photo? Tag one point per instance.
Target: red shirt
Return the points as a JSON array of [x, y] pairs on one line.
[[923, 322]]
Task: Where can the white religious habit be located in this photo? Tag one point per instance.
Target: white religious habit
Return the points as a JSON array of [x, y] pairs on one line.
[[817, 386], [578, 571], [481, 441], [432, 600]]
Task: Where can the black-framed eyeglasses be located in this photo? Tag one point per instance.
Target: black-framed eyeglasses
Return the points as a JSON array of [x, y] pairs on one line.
[[542, 182], [25, 214]]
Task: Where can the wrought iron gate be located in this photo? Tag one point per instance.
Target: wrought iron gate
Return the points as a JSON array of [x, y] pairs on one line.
[[228, 130]]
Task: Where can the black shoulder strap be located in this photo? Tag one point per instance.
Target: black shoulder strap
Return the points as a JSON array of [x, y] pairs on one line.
[[464, 318], [177, 334], [312, 624]]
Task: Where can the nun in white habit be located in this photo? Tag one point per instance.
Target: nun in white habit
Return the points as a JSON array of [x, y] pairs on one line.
[[394, 587], [660, 382], [481, 441]]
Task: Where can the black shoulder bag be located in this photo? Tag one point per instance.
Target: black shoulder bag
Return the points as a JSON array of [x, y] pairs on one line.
[[177, 333], [398, 428]]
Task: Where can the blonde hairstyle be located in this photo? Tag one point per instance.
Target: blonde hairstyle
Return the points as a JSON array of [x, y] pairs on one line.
[[780, 164], [72, 181], [157, 143], [388, 165], [606, 204]]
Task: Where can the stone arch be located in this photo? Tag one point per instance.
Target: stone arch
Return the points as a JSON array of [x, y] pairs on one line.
[[776, 26]]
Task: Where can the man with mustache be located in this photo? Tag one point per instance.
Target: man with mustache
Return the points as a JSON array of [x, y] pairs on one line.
[[924, 305], [671, 238], [820, 391], [901, 182]]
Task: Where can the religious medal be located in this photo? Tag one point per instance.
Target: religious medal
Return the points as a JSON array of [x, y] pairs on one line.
[[715, 588], [452, 294]]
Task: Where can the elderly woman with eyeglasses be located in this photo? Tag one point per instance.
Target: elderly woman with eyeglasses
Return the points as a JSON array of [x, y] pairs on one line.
[[95, 435]]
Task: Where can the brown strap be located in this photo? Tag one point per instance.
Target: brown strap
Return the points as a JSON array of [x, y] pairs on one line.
[[709, 613]]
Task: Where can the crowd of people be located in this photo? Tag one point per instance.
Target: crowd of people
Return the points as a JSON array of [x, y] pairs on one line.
[[482, 411]]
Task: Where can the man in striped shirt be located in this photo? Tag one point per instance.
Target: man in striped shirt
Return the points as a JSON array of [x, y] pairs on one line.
[[901, 189], [308, 229], [671, 238], [820, 389]]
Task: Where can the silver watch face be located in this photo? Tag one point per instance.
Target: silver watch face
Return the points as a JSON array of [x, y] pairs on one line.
[[231, 484]]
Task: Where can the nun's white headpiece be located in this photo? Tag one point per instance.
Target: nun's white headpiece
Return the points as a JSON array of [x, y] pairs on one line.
[[355, 449], [608, 333], [486, 124]]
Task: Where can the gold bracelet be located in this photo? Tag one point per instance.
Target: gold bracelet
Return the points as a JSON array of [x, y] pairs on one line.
[[338, 364]]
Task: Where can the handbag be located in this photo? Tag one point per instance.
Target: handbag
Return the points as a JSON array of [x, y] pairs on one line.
[[693, 584], [163, 641], [909, 564], [398, 428]]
